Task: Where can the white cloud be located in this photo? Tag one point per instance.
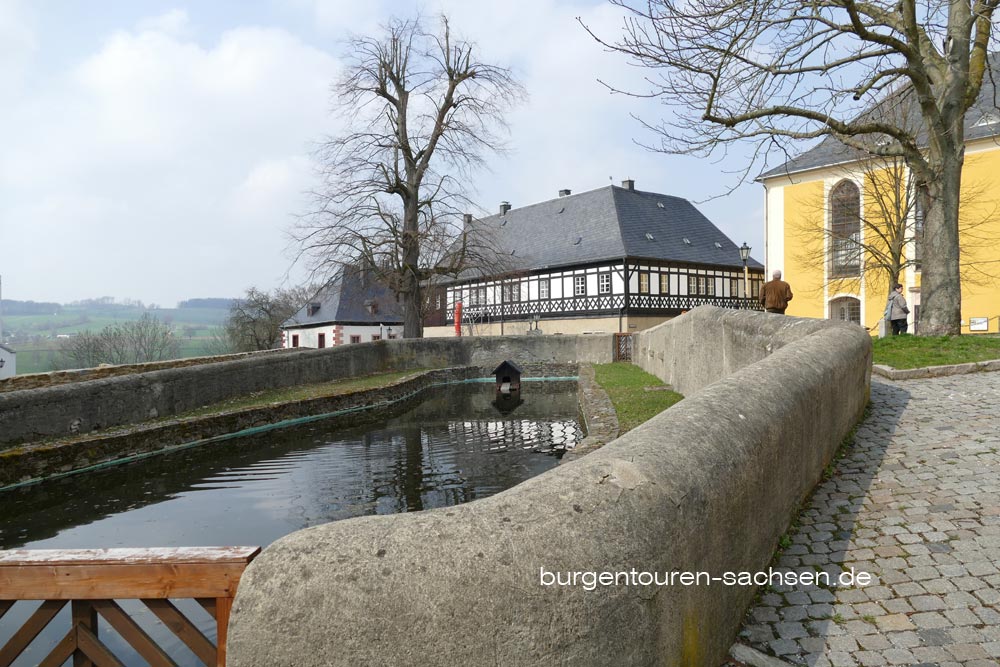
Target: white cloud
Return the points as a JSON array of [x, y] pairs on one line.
[[175, 22], [167, 158], [270, 192], [168, 136], [18, 45], [337, 17]]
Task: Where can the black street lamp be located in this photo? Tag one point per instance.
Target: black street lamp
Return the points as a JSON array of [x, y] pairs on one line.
[[745, 255]]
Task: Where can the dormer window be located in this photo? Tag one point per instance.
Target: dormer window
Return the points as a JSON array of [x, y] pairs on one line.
[[371, 306], [312, 308], [988, 118]]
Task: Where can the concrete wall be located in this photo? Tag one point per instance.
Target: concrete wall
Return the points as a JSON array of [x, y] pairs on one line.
[[82, 407], [708, 485]]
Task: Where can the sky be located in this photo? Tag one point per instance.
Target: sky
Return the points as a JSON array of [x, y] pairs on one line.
[[161, 151]]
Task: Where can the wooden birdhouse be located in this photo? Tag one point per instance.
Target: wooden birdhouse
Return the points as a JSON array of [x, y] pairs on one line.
[[508, 376]]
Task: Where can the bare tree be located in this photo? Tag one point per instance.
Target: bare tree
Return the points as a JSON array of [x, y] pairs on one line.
[[254, 321], [803, 69], [884, 231], [139, 341], [421, 112]]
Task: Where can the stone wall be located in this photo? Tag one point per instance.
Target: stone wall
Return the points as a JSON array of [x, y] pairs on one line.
[[707, 486], [82, 407], [53, 378], [20, 465]]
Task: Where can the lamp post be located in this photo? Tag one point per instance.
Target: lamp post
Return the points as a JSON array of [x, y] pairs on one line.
[[745, 255]]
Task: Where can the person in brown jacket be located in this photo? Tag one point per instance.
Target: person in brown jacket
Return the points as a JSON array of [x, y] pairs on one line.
[[776, 294]]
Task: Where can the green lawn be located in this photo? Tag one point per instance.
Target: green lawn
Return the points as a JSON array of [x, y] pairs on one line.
[[918, 351], [626, 386]]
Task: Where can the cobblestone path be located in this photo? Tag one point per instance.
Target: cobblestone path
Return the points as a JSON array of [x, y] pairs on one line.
[[916, 503]]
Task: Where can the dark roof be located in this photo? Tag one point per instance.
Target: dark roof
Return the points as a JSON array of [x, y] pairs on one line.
[[607, 224], [348, 299], [507, 364], [4, 347], [831, 151]]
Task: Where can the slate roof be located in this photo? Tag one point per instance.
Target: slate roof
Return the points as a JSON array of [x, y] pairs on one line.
[[344, 300], [607, 224], [8, 349], [830, 151]]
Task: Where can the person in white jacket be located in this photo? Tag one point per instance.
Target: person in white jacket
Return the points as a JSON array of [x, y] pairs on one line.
[[896, 310]]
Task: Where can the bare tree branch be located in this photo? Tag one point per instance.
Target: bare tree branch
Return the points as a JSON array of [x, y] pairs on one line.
[[768, 72], [421, 112]]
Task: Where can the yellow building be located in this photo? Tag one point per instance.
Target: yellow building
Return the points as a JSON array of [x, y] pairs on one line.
[[825, 215]]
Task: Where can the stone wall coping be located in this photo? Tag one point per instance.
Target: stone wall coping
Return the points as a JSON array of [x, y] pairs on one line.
[[935, 371]]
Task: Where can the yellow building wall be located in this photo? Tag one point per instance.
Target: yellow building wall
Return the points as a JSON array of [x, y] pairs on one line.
[[802, 247], [980, 239], [876, 288], [980, 233]]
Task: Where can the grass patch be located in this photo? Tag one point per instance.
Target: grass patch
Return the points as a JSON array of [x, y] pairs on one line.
[[918, 351], [626, 386]]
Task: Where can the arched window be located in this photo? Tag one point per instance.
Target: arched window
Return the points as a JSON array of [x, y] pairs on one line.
[[845, 230], [846, 309]]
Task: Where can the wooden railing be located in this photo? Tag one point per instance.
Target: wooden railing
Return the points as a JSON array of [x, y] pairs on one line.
[[90, 580]]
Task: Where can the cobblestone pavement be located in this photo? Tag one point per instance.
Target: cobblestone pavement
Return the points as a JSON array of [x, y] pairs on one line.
[[916, 503]]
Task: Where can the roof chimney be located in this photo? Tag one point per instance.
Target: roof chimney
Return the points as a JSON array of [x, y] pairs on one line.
[[504, 207], [628, 184], [466, 220], [565, 193]]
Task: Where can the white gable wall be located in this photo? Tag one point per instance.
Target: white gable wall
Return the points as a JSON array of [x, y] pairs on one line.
[[8, 359]]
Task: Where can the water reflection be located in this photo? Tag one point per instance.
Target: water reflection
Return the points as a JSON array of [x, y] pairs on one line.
[[451, 447]]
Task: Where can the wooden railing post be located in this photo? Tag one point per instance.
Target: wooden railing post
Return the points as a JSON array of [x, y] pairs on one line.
[[94, 578], [223, 607], [84, 615]]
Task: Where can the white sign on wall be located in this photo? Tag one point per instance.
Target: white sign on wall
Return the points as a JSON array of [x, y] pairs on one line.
[[979, 324]]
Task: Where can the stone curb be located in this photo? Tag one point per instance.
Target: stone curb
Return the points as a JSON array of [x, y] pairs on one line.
[[935, 371], [754, 658], [599, 417]]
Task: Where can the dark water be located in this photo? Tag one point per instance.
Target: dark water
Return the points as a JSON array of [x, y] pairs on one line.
[[451, 446]]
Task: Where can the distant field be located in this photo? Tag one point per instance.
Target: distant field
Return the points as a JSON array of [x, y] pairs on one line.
[[44, 356], [38, 348]]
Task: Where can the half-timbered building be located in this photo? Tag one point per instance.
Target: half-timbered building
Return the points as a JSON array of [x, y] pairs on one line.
[[614, 259]]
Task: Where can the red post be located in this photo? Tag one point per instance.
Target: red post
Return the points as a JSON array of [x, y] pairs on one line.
[[458, 318]]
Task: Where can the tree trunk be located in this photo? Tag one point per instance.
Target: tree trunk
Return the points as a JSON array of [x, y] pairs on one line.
[[940, 283], [412, 323]]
